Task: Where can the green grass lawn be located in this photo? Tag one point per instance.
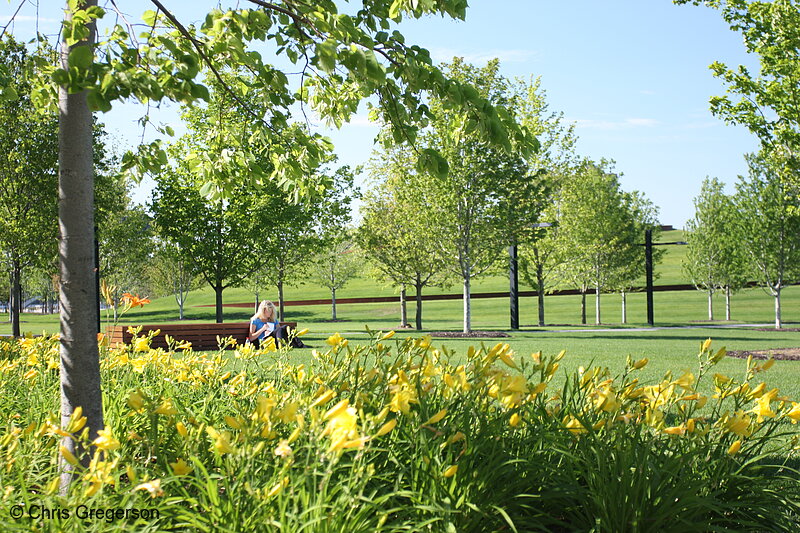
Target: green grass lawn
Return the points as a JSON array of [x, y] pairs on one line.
[[667, 349]]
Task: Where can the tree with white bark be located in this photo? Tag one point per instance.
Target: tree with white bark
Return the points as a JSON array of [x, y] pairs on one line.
[[715, 258], [769, 208]]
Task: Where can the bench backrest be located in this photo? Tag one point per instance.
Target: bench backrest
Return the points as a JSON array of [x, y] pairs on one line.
[[203, 336]]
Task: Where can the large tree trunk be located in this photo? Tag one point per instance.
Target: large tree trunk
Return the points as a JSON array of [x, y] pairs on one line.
[[467, 306], [403, 308], [778, 323], [218, 288], [711, 305], [624, 307], [540, 292], [80, 361], [16, 297], [333, 304], [418, 287]]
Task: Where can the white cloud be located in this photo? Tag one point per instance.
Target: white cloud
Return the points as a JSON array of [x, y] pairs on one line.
[[505, 56], [616, 124]]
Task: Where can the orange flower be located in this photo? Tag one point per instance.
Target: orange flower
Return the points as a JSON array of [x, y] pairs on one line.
[[134, 301]]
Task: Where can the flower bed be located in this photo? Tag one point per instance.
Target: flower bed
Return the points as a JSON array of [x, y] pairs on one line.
[[395, 435]]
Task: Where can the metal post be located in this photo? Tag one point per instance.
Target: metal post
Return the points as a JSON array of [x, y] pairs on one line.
[[648, 265], [514, 282]]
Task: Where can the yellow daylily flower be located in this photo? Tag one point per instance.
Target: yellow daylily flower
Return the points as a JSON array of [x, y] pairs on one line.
[[153, 487], [136, 401], [283, 449], [166, 408], [738, 424], [794, 412], [106, 440], [68, 455], [574, 426], [763, 409], [335, 340], [181, 468], [435, 418], [387, 427], [450, 471], [735, 447], [277, 488], [142, 344]]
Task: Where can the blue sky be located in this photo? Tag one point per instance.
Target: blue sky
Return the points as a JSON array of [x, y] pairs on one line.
[[631, 74]]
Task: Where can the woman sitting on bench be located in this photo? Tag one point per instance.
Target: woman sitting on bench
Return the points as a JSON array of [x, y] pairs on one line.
[[265, 324]]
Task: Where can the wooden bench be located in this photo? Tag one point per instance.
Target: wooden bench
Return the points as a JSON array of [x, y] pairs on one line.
[[202, 336]]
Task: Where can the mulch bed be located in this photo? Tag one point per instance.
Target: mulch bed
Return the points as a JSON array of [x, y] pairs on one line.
[[780, 354], [471, 334]]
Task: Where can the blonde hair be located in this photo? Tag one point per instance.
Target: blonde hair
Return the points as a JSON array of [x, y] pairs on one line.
[[266, 311]]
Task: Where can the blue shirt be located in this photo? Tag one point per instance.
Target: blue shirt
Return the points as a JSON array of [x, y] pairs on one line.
[[260, 324]]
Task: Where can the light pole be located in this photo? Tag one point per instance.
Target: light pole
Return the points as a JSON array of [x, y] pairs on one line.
[[513, 278], [514, 285]]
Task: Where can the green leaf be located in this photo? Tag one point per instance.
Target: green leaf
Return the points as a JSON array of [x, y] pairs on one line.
[[394, 10], [9, 94], [208, 189], [375, 70], [201, 92], [149, 17], [81, 57], [97, 102], [60, 77], [326, 55]]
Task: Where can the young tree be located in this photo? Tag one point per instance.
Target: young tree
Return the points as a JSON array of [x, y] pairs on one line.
[[770, 226], [540, 260], [170, 271], [217, 237], [334, 268], [298, 231], [470, 200], [714, 259], [643, 215], [597, 230], [340, 53], [395, 234], [555, 158]]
